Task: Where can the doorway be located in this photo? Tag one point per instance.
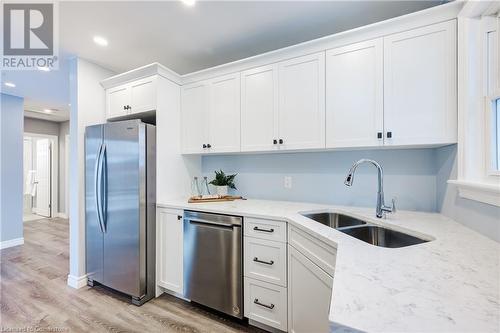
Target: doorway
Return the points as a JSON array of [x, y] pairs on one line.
[[40, 176]]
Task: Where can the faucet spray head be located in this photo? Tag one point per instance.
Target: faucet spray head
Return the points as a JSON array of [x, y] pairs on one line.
[[349, 179]]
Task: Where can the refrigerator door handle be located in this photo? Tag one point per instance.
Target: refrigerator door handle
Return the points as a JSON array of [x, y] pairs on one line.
[[98, 188], [104, 188]]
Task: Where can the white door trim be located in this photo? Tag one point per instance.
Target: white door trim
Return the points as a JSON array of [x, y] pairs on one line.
[[54, 170]]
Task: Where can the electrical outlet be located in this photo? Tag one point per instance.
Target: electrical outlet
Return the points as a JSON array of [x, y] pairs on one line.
[[288, 182]]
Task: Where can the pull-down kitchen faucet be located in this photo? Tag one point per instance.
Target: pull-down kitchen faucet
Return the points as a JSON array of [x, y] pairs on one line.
[[381, 207]]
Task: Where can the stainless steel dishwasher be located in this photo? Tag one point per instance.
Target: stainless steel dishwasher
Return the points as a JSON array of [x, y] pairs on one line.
[[213, 274]]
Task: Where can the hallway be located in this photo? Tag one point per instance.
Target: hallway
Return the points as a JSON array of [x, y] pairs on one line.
[[34, 294]]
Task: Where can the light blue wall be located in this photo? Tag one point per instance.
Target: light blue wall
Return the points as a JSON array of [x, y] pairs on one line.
[[410, 175], [473, 214], [11, 169], [417, 177]]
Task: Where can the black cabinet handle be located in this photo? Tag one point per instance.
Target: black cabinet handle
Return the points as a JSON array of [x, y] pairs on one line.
[[256, 301], [209, 145], [204, 146], [281, 141], [379, 135], [264, 230], [275, 142], [263, 262], [124, 107], [179, 217], [389, 135]]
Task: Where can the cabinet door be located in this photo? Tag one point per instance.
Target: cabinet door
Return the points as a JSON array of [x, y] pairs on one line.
[[195, 106], [354, 95], [118, 99], [143, 95], [169, 254], [420, 86], [309, 294], [224, 123], [259, 106], [302, 102]]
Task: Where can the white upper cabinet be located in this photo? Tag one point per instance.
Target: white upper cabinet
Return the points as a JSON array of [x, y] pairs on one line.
[[132, 98], [224, 113], [117, 101], [195, 100], [259, 105], [420, 87], [301, 110], [211, 115], [354, 95], [143, 95]]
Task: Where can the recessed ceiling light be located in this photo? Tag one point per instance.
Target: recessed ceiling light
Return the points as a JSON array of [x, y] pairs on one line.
[[189, 3], [100, 41], [48, 110], [10, 84], [44, 69]]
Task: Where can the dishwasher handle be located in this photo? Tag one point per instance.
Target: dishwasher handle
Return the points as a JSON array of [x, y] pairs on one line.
[[213, 223]]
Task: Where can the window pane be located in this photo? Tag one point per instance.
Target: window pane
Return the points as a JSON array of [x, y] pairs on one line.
[[497, 132]]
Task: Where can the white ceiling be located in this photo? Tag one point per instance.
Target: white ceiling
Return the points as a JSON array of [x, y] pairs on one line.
[[41, 90], [187, 39]]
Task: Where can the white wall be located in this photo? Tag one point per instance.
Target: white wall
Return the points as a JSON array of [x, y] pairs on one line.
[[87, 108], [63, 131], [174, 171], [40, 126], [11, 169]]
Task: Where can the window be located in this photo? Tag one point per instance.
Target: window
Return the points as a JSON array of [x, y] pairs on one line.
[[495, 136]]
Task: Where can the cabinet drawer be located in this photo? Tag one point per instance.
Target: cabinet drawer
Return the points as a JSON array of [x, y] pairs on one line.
[[265, 229], [266, 303], [265, 260], [319, 252]]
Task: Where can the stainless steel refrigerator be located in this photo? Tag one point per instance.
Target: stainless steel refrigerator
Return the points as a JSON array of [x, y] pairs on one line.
[[120, 199]]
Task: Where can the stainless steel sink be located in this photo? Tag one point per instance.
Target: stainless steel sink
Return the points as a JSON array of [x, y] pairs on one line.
[[383, 237], [334, 220], [366, 232]]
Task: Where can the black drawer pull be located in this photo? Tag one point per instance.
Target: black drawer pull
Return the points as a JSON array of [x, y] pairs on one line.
[[256, 301], [264, 230], [263, 262]]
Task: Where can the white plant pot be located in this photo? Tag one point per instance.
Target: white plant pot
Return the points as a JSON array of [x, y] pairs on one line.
[[221, 190]]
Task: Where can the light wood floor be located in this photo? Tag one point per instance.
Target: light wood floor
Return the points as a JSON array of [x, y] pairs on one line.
[[34, 294]]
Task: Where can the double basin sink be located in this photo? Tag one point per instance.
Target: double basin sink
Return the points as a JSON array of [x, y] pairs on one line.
[[364, 231]]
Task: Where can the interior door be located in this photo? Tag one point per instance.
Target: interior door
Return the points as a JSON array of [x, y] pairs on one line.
[[43, 177], [125, 230], [27, 166]]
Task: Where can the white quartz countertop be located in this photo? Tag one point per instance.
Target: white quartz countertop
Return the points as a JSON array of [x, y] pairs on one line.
[[450, 284]]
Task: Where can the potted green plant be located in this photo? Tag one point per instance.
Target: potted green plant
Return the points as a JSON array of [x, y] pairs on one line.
[[223, 182]]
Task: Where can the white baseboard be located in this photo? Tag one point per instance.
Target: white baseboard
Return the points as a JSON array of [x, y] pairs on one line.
[[11, 243], [77, 282], [62, 215]]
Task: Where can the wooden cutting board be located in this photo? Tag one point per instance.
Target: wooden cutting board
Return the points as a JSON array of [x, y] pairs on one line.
[[221, 199]]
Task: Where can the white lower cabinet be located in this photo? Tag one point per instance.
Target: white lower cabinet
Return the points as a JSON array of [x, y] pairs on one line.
[[265, 260], [169, 249], [309, 295], [265, 303]]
